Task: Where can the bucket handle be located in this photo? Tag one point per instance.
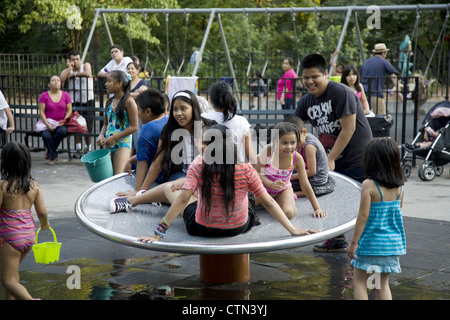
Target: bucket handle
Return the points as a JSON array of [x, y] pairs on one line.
[[37, 233]]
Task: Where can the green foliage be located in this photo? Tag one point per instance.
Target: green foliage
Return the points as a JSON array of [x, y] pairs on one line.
[[44, 26]]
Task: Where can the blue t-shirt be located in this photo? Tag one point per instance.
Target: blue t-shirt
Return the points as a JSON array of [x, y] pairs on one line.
[[148, 140], [375, 67]]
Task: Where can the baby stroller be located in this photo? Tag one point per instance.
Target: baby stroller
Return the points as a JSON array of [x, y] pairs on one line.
[[436, 153]]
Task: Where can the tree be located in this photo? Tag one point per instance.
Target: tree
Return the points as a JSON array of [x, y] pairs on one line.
[[74, 18], [9, 9]]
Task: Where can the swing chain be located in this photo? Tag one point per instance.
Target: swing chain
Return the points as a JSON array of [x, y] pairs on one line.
[[166, 14], [185, 38], [129, 33]]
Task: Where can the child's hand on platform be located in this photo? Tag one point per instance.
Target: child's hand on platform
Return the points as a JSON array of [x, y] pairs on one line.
[[319, 213], [303, 232], [149, 239], [128, 168]]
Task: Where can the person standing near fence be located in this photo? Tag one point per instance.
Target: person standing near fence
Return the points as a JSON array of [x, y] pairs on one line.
[[373, 71], [118, 62], [6, 116], [80, 86], [337, 114], [285, 86]]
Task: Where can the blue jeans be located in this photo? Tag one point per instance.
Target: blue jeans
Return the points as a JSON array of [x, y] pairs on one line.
[[356, 173], [53, 139], [288, 104]]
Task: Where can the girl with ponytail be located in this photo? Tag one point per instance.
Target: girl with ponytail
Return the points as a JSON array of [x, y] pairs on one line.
[[225, 107], [121, 120], [224, 208]]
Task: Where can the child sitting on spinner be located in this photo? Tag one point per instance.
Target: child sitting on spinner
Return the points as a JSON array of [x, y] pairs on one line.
[[315, 159], [275, 165], [224, 208]]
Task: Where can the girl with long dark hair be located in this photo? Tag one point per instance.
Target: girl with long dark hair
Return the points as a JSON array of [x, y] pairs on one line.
[[224, 207], [225, 108], [121, 120], [352, 79], [18, 193], [176, 150]]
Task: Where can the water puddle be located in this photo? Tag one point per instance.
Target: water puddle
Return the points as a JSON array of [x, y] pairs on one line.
[[286, 275]]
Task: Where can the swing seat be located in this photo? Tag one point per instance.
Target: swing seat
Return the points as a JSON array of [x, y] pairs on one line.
[[175, 84]]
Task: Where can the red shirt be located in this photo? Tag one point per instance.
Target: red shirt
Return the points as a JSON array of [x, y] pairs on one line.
[[245, 179]]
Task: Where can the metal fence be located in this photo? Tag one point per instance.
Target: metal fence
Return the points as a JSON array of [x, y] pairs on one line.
[[22, 93]]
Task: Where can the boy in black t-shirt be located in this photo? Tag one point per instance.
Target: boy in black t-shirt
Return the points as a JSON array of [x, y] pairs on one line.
[[338, 116]]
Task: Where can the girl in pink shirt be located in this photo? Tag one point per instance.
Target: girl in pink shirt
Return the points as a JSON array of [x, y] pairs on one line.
[[285, 85], [223, 203]]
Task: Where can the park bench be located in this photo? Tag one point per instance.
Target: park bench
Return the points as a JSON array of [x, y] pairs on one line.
[[26, 116]]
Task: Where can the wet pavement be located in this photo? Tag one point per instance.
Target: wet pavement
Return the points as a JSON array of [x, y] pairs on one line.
[[93, 268]]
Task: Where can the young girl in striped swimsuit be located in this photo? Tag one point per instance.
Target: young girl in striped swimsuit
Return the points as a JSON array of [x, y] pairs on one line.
[[379, 237], [19, 191], [275, 165]]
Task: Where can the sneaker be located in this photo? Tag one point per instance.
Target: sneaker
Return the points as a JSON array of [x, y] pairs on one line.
[[156, 204], [120, 204], [332, 245], [140, 192], [78, 154]]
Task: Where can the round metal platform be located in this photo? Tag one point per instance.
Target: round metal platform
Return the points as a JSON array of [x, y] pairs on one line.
[[92, 210]]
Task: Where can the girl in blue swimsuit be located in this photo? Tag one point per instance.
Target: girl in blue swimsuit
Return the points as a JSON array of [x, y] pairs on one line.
[[121, 120]]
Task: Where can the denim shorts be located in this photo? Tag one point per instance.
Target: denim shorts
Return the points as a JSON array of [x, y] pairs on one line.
[[381, 264]]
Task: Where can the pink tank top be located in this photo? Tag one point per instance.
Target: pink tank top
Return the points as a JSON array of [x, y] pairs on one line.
[[274, 174]]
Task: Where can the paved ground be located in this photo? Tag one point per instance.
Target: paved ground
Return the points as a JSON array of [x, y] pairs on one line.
[[113, 271]]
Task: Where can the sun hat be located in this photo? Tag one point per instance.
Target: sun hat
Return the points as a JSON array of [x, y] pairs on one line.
[[380, 47]]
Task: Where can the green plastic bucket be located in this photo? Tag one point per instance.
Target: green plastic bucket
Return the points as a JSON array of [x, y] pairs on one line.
[[98, 164]]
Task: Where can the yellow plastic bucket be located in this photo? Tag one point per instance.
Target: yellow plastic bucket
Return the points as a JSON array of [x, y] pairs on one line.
[[46, 252]]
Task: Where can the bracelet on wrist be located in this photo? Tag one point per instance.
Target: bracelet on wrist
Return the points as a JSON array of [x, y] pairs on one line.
[[161, 229]]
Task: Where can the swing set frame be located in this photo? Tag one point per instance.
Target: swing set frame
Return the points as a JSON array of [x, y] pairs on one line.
[[351, 12]]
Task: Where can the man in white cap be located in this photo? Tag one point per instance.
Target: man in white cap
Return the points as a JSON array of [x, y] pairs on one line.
[[374, 71]]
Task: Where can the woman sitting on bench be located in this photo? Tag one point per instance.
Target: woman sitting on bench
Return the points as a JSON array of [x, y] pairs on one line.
[[55, 107]]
